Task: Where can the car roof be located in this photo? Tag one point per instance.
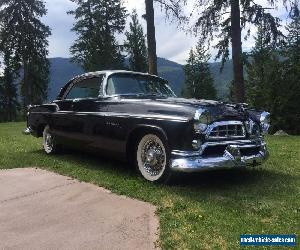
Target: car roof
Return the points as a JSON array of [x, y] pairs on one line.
[[110, 72]]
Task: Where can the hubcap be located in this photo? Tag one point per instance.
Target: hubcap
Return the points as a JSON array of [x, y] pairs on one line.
[[152, 156], [48, 140]]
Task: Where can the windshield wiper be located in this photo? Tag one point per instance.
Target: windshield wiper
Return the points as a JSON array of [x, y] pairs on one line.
[[141, 95], [154, 95]]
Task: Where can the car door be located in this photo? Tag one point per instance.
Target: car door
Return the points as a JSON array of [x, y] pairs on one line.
[[90, 113], [62, 120], [76, 106]]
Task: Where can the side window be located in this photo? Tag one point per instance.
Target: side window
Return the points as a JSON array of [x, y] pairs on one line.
[[87, 88], [123, 85]]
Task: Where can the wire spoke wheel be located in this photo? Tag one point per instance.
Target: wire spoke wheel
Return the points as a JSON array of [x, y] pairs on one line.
[[151, 157], [48, 141]]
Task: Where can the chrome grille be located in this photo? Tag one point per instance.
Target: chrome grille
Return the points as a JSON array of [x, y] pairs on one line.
[[226, 130]]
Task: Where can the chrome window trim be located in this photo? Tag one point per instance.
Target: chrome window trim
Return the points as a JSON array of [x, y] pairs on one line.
[[110, 74], [81, 78]]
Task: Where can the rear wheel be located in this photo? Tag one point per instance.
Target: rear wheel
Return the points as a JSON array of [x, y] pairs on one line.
[[152, 158], [49, 143]]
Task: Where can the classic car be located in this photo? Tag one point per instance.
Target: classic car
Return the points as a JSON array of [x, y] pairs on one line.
[[136, 116]]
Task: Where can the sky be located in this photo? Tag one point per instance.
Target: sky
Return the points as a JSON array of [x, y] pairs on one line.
[[172, 43]]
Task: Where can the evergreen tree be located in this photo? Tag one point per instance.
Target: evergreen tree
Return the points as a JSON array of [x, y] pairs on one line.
[[226, 20], [290, 91], [258, 70], [8, 90], [293, 38], [264, 81], [273, 82], [135, 45], [198, 79], [26, 37], [97, 22]]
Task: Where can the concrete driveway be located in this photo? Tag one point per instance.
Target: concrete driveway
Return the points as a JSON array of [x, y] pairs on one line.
[[43, 210]]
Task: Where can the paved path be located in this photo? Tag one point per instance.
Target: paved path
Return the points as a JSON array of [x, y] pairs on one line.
[[43, 210]]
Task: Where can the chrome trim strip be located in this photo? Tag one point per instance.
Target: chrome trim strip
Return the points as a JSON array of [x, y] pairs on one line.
[[120, 115], [185, 153]]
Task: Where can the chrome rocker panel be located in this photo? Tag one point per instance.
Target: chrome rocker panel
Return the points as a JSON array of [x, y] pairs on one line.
[[231, 158]]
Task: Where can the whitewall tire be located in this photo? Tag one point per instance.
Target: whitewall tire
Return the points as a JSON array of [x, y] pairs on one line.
[[49, 143], [152, 158]]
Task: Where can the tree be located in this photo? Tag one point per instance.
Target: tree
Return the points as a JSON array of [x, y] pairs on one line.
[[290, 91], [135, 45], [293, 37], [264, 82], [151, 40], [273, 82], [8, 90], [97, 22], [260, 68], [198, 79], [225, 20], [26, 36]]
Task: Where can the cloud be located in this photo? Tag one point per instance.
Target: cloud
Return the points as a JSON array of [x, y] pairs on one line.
[[60, 23], [172, 43]]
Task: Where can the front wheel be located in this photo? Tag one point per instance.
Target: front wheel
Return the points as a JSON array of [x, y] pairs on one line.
[[49, 143], [152, 158]]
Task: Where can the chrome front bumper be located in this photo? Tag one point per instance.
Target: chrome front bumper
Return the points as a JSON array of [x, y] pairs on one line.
[[195, 162]]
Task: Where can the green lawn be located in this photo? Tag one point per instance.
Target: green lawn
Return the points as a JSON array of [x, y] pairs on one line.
[[203, 211]]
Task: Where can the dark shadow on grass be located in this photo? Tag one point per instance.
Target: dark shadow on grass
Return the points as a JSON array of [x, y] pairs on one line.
[[90, 160], [251, 181], [237, 184], [233, 177]]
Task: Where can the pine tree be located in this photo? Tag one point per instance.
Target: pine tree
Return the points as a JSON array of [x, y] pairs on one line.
[[135, 45], [290, 90], [258, 70], [8, 90], [273, 82], [26, 36], [97, 22], [293, 38], [264, 71], [198, 79]]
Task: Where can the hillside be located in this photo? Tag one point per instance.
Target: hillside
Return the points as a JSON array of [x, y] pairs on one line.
[[62, 70]]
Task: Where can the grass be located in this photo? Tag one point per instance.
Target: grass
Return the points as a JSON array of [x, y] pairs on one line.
[[202, 211]]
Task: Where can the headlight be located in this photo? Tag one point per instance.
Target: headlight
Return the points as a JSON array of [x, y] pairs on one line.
[[252, 128], [202, 119], [264, 122]]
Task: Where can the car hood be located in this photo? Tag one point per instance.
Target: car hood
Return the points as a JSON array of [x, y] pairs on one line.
[[187, 107]]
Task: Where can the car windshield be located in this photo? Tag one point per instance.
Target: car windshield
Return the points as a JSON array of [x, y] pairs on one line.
[[137, 85]]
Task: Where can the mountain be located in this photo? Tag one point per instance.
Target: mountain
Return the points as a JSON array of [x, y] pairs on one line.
[[62, 70], [222, 80]]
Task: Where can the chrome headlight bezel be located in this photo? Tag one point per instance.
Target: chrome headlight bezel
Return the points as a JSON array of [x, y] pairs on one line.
[[264, 122], [252, 128], [202, 119]]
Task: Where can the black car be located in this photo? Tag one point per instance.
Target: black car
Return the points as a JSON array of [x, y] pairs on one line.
[[137, 116]]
